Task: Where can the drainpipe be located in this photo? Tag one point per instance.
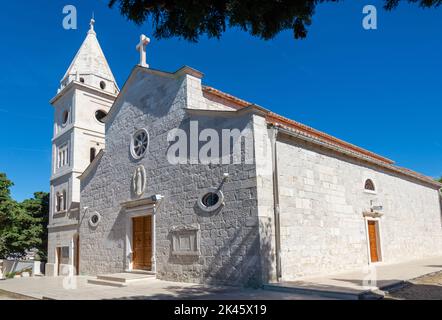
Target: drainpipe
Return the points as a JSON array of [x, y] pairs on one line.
[[273, 133]]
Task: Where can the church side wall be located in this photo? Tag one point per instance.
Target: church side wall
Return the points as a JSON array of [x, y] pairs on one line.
[[229, 239], [322, 202]]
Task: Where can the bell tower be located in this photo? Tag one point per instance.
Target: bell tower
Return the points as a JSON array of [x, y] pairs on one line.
[[86, 93]]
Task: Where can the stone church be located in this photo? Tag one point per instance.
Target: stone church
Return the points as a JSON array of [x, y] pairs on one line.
[[272, 199]]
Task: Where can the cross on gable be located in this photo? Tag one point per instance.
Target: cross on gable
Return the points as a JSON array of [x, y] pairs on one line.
[[141, 47]]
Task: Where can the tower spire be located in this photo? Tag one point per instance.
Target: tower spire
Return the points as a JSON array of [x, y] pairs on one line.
[[90, 66]]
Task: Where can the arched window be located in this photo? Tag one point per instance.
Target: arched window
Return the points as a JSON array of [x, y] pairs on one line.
[[65, 117], [64, 199], [92, 154], [369, 185], [58, 202]]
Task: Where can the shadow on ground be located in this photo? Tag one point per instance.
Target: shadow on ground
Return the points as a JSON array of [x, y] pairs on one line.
[[201, 293], [413, 291]]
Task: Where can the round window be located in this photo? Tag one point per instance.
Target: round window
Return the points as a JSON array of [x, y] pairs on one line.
[[94, 220], [82, 80], [99, 115], [102, 85], [211, 199], [139, 143], [65, 117]]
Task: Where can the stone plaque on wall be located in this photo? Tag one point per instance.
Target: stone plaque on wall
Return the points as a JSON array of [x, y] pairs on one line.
[[186, 240]]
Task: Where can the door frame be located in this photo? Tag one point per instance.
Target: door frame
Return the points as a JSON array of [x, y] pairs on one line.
[[378, 239], [144, 210]]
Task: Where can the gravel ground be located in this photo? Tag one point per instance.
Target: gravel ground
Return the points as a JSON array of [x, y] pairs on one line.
[[428, 287]]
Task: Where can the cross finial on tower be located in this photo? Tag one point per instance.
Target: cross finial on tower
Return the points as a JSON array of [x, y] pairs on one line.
[[91, 24], [141, 47]]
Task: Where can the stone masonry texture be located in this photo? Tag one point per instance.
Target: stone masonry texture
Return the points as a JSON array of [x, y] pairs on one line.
[[229, 237]]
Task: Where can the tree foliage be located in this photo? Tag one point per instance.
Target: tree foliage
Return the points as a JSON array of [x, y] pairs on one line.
[[22, 225], [38, 208], [189, 19]]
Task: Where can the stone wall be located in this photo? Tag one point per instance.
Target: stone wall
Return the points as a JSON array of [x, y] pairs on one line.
[[229, 236], [62, 236], [322, 202]]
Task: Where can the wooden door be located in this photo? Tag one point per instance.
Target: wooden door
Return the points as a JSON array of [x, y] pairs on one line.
[[77, 255], [373, 241], [58, 253], [142, 242]]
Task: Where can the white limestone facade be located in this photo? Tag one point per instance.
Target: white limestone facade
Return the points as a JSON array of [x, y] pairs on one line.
[[324, 209], [86, 93]]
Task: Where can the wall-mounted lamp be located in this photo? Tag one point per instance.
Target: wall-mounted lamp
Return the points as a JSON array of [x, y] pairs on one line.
[[157, 197]]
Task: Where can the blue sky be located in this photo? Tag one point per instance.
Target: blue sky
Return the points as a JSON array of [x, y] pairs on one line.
[[378, 89]]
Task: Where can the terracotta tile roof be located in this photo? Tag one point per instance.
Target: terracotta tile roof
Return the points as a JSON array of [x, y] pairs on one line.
[[241, 103], [280, 121], [277, 119]]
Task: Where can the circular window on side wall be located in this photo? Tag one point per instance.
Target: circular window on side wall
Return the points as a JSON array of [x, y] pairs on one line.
[[95, 219], [102, 85], [139, 143], [99, 115], [65, 117], [211, 200]]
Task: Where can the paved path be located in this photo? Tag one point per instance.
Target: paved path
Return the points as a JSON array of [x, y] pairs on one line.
[[12, 296], [55, 288], [77, 287], [379, 276]]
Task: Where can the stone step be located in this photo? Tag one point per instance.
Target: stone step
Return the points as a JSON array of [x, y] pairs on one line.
[[106, 283], [122, 279], [141, 272], [125, 277]]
